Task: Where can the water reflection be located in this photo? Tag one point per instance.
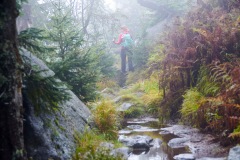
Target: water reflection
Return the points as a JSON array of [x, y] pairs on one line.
[[159, 152]]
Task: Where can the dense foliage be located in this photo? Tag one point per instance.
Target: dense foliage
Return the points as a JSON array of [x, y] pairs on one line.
[[201, 62]]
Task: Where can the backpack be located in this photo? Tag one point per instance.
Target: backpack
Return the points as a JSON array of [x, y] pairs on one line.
[[127, 41]]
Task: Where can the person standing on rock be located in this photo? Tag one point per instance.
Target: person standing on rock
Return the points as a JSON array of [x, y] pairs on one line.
[[126, 42]]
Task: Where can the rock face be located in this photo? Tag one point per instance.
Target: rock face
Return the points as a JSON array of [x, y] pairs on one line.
[[52, 136]]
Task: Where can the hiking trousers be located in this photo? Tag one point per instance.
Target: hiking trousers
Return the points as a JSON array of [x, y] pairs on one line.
[[126, 54]]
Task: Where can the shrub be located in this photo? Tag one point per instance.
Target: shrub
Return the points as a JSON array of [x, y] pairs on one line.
[[105, 117]]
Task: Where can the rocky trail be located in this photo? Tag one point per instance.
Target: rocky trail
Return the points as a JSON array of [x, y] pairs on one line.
[[147, 139]]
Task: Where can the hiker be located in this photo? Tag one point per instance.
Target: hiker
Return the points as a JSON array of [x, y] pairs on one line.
[[125, 40]]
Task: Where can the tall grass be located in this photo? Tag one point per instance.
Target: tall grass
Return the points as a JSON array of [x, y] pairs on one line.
[[152, 95], [105, 117]]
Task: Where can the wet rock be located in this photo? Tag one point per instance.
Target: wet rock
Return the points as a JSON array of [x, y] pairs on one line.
[[143, 120], [198, 138], [234, 153], [181, 130], [185, 156], [139, 128], [136, 122], [106, 145], [156, 143], [139, 142], [164, 132], [200, 144], [150, 119], [134, 126], [124, 132], [177, 142], [117, 99], [145, 129], [208, 158], [123, 151], [125, 106]]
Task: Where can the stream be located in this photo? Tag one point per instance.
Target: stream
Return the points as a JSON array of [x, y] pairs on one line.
[[159, 149], [148, 140]]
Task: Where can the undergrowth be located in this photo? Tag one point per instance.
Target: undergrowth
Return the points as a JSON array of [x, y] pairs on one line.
[[90, 147]]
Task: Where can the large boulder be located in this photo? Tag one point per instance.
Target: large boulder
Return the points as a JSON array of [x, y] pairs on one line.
[[51, 136]]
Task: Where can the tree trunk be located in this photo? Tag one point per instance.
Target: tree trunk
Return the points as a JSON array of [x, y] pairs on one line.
[[11, 117]]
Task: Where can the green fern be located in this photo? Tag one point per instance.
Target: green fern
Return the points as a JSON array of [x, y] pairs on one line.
[[192, 101], [205, 84]]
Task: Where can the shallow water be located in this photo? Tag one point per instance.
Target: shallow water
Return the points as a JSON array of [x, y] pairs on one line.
[[161, 152]]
